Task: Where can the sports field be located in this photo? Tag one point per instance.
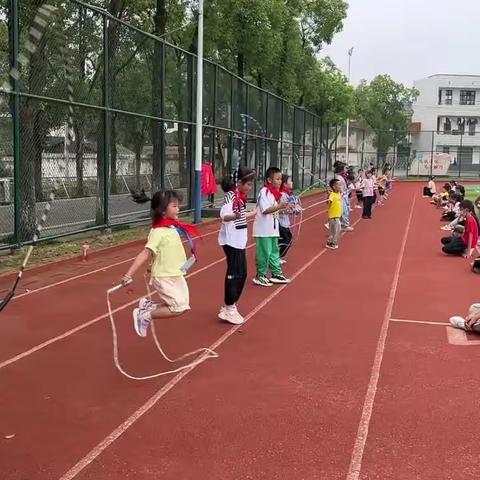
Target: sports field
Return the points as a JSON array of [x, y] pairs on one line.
[[350, 372]]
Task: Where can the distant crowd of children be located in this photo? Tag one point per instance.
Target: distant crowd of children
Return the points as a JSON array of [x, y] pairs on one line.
[[459, 215], [275, 206]]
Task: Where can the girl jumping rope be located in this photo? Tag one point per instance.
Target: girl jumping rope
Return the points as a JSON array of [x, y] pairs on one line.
[[233, 238], [169, 262]]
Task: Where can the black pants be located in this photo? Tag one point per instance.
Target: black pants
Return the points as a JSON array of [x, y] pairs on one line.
[[453, 246], [236, 274], [427, 192], [285, 240], [367, 206]]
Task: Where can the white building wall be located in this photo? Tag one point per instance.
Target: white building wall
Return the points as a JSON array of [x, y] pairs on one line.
[[427, 110]]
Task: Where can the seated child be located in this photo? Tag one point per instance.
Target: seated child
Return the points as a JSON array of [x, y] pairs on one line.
[[441, 199], [454, 245], [451, 208], [430, 190], [470, 235], [471, 323]]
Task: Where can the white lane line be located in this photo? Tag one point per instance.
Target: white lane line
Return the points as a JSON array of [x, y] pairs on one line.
[[421, 322], [122, 428], [362, 433]]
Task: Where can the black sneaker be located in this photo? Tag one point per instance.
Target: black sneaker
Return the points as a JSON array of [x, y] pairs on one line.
[[279, 279]]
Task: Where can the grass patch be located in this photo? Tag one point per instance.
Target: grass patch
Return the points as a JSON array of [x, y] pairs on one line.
[[53, 250]]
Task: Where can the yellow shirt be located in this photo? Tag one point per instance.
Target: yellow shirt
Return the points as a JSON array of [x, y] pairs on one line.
[[334, 205], [167, 248]]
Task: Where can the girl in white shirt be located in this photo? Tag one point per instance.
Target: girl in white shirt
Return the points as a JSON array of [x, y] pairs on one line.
[[233, 237]]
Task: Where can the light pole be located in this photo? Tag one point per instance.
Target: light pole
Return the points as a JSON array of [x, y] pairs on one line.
[[350, 53], [199, 120]]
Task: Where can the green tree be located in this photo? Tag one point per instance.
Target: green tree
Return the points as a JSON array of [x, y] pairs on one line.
[[385, 106]]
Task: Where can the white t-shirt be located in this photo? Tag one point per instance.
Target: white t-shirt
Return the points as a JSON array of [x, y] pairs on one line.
[[234, 233], [265, 225]]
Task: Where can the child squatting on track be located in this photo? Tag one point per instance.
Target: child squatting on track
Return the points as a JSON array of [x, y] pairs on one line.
[[335, 208], [266, 230], [233, 238], [164, 247]]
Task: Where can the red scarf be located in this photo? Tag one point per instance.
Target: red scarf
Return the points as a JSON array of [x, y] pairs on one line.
[[274, 191], [287, 191], [239, 201], [168, 222]]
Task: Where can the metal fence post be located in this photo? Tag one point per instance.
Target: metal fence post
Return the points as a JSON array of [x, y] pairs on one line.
[[320, 149], [460, 156], [303, 148], [266, 132], [314, 149], [281, 135], [363, 149], [106, 118], [191, 129], [15, 107]]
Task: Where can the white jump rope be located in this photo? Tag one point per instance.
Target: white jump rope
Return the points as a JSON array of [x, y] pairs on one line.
[[201, 353]]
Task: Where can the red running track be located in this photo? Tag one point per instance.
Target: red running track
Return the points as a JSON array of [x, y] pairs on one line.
[[319, 384]]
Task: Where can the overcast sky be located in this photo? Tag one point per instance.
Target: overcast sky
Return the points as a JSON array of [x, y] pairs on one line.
[[409, 39]]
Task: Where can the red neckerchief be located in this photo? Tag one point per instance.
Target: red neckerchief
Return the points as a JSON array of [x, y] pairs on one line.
[[168, 222], [239, 201], [287, 191], [274, 191]]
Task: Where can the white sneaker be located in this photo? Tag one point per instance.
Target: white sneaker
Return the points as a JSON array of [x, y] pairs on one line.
[[326, 226], [446, 228], [458, 322], [282, 261], [146, 304], [231, 315], [140, 322]]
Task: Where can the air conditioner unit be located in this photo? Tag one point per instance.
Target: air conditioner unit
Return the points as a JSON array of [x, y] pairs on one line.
[[5, 190]]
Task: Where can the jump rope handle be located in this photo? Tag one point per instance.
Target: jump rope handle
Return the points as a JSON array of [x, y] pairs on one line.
[[118, 287]]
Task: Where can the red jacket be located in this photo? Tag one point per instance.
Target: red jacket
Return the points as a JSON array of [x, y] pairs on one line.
[[209, 185]]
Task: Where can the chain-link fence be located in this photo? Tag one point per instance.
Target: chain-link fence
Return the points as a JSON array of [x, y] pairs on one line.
[[96, 108], [413, 153]]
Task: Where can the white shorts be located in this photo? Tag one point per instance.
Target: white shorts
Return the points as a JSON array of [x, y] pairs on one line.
[[173, 291]]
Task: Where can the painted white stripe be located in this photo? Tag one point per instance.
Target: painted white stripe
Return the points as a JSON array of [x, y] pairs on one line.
[[362, 433], [422, 322], [121, 429]]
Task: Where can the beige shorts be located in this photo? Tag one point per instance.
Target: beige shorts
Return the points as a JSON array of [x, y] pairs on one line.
[[173, 291]]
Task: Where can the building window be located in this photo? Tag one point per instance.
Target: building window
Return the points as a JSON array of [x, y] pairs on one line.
[[448, 97], [472, 126], [446, 150], [439, 96], [447, 126], [467, 97], [460, 126]]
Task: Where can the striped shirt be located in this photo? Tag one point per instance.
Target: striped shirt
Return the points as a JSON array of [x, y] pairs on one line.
[[242, 221], [233, 233]]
